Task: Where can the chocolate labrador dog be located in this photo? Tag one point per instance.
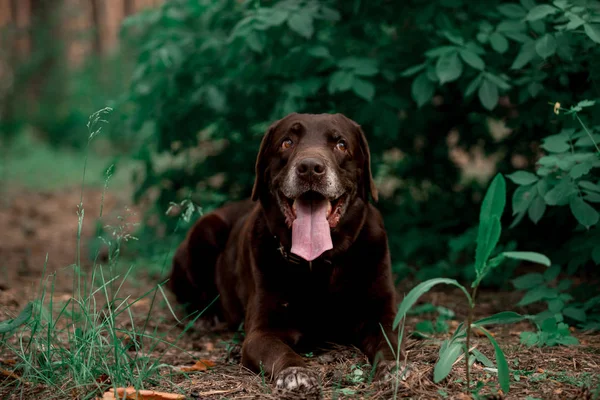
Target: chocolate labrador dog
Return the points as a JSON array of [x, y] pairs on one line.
[[306, 260]]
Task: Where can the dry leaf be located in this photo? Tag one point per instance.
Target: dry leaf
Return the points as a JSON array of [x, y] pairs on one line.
[[9, 374], [201, 365], [131, 394], [479, 333]]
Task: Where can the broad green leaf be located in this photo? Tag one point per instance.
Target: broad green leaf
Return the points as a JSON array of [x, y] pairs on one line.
[[503, 373], [479, 356], [411, 298], [360, 65], [447, 358], [561, 194], [539, 12], [536, 210], [494, 200], [448, 67], [534, 88], [546, 45], [529, 338], [255, 41], [504, 317], [536, 294], [523, 177], [21, 319], [440, 51], [488, 94], [580, 170], [487, 239], [590, 186], [522, 198], [528, 281], [526, 54], [511, 26], [587, 141], [340, 81], [498, 42], [412, 70], [528, 256], [585, 214], [551, 273], [422, 89], [302, 23], [472, 59], [586, 103], [499, 81], [575, 313], [556, 143], [593, 31], [592, 197], [319, 52], [512, 11], [363, 89], [473, 85]]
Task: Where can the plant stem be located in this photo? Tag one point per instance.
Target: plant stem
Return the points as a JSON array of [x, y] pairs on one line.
[[588, 132], [469, 322]]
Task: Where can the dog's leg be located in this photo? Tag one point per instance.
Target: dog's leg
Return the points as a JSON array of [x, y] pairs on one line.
[[269, 352]]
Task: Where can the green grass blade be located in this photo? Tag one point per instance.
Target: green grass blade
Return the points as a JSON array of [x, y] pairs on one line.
[[411, 298]]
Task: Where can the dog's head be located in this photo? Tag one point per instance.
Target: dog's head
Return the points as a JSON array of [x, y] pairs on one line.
[[313, 166]]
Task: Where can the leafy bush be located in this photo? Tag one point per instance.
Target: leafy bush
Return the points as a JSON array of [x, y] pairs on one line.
[[432, 83]]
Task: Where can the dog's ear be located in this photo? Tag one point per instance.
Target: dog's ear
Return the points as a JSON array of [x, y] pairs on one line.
[[368, 184], [262, 162]]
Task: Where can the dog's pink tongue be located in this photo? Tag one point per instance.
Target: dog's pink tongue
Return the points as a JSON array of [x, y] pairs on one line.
[[311, 236]]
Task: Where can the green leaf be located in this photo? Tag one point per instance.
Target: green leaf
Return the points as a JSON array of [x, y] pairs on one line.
[[590, 186], [593, 31], [528, 281], [503, 373], [546, 45], [536, 210], [512, 11], [363, 89], [575, 313], [412, 70], [440, 51], [592, 197], [523, 177], [499, 42], [580, 170], [411, 298], [536, 294], [528, 256], [522, 198], [488, 94], [472, 59], [529, 338], [539, 12], [301, 22], [552, 273], [360, 65], [560, 194], [479, 356], [556, 143], [596, 255], [448, 67], [526, 54], [588, 141], [494, 200], [487, 239], [319, 52], [585, 214], [422, 89], [340, 81], [473, 85], [504, 317], [447, 358], [21, 319]]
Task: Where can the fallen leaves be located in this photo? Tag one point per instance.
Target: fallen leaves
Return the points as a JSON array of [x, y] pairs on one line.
[[201, 365], [131, 394]]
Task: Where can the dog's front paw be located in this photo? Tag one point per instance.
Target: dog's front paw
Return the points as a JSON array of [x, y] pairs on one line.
[[390, 371], [297, 379]]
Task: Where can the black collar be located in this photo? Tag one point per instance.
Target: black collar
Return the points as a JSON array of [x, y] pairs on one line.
[[291, 258]]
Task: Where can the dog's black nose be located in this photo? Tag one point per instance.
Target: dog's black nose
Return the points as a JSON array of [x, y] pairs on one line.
[[310, 167]]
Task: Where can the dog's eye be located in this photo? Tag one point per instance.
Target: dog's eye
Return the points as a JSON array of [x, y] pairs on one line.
[[287, 143], [342, 145]]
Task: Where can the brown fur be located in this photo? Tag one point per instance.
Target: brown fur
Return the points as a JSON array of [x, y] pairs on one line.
[[345, 296]]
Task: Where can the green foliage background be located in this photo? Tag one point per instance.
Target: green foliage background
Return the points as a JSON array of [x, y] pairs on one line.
[[423, 78]]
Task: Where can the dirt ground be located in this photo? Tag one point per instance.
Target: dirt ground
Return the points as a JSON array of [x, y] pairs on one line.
[[34, 225]]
